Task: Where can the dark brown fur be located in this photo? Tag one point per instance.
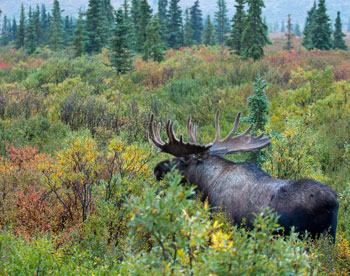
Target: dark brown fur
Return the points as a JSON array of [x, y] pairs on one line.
[[242, 189]]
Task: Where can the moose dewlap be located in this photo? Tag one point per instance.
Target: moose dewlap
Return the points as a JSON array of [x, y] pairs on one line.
[[242, 189]]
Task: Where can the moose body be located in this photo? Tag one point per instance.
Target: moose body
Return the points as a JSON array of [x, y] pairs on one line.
[[242, 189]]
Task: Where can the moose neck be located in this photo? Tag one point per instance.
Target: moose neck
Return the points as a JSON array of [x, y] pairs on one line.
[[204, 173]]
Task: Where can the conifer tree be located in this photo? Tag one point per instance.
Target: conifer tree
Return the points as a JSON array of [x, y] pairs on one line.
[[289, 34], [209, 33], [222, 23], [235, 40], [162, 16], [309, 28], [297, 30], [78, 43], [107, 9], [68, 30], [44, 25], [135, 18], [21, 29], [196, 22], [175, 35], [37, 24], [56, 40], [30, 39], [338, 34], [121, 56], [5, 35], [126, 10], [14, 30], [188, 32], [154, 47], [145, 17], [258, 105], [322, 32], [283, 28], [254, 36], [95, 28]]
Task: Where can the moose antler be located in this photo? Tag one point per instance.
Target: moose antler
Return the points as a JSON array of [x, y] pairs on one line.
[[240, 143], [231, 144], [174, 146]]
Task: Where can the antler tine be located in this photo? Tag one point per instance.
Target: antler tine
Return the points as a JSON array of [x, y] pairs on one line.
[[150, 134], [173, 145], [233, 131], [248, 129], [158, 133], [171, 132], [195, 133], [191, 131], [217, 125]]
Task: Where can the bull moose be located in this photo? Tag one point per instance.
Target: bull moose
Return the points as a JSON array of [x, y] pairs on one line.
[[243, 189]]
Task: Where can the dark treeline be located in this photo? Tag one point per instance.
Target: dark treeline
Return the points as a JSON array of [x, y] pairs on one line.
[[318, 33], [94, 28], [135, 28]]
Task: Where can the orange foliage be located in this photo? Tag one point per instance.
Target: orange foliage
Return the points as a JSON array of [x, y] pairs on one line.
[[4, 64]]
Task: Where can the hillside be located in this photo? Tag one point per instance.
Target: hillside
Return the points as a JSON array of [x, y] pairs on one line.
[[275, 9]]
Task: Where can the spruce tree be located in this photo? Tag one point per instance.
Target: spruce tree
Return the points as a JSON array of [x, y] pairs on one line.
[[121, 56], [289, 34], [309, 28], [135, 18], [283, 28], [30, 39], [14, 30], [5, 35], [145, 17], [56, 40], [209, 33], [37, 24], [322, 32], [163, 20], [254, 36], [196, 22], [78, 43], [44, 25], [297, 30], [188, 32], [21, 29], [175, 35], [338, 34], [95, 20], [68, 30], [107, 10], [154, 47], [258, 105], [222, 23], [235, 40]]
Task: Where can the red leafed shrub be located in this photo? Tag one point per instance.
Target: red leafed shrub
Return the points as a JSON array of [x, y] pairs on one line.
[[342, 72], [21, 156], [4, 64], [32, 214]]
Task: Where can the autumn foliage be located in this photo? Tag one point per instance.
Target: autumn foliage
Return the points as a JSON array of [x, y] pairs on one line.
[[77, 194]]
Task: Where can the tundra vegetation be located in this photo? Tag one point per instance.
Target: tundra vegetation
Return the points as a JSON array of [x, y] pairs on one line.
[[77, 191]]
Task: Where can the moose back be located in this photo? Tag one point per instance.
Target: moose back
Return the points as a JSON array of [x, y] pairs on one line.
[[242, 189]]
